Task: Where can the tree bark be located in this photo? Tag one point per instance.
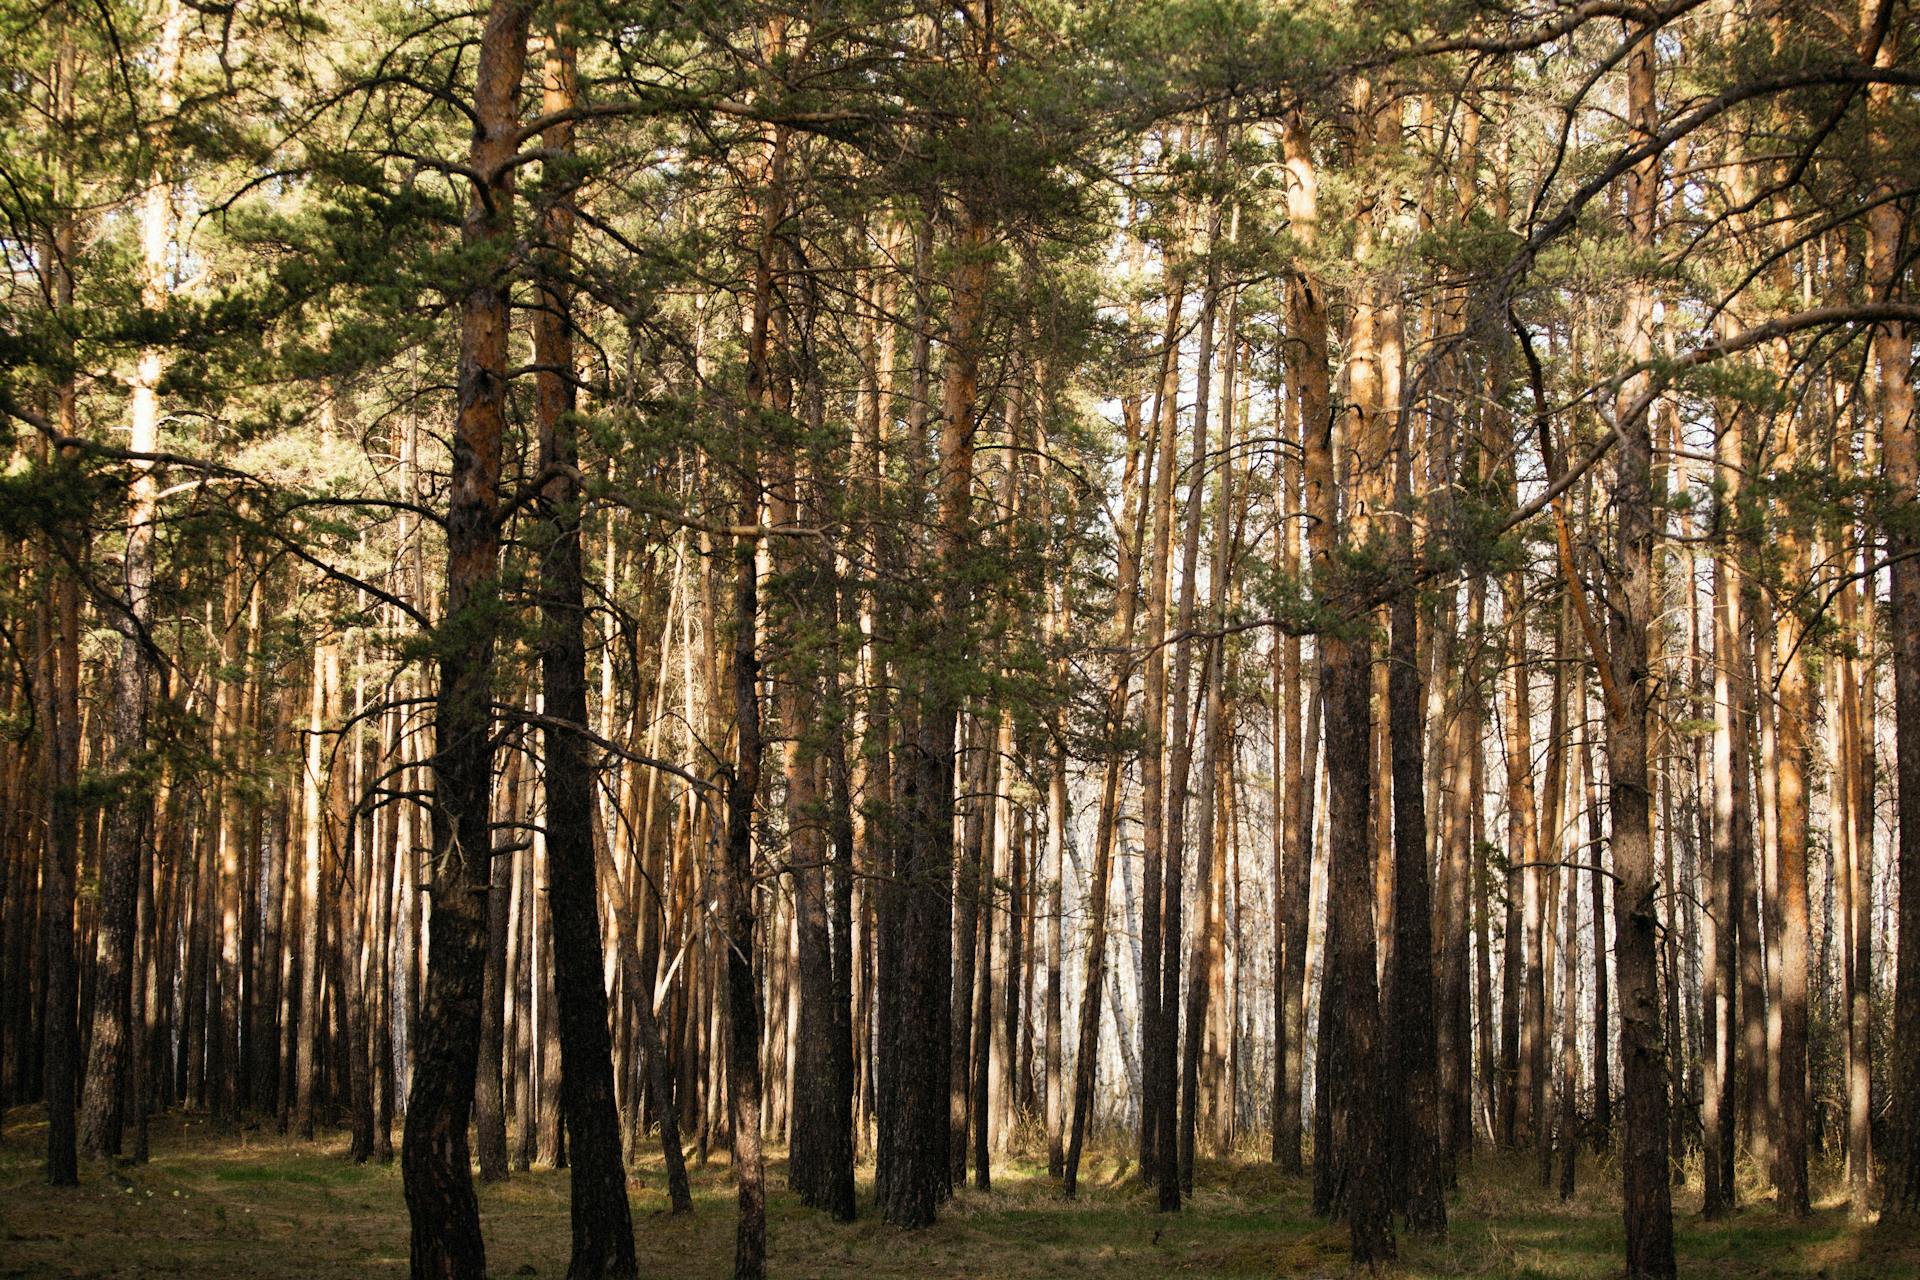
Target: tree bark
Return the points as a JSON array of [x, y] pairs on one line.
[[1349, 1000], [1212, 852], [444, 1214], [1732, 853], [1416, 1094], [1163, 1068], [1307, 329], [1646, 1180], [1900, 455], [601, 1219], [102, 1105]]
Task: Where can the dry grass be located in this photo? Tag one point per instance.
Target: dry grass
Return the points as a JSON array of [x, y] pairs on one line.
[[255, 1204]]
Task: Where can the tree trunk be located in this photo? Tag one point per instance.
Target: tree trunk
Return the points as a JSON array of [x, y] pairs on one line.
[[602, 1222], [102, 1106], [1893, 389], [743, 986], [969, 875], [444, 1214], [1175, 1121], [1569, 1124], [59, 642], [1212, 853], [988, 869], [1521, 964], [489, 1102], [1791, 734], [1135, 482], [1415, 1084], [1646, 1181], [1732, 852], [314, 833], [744, 1018], [1153, 789], [1349, 999], [916, 1136], [1313, 402]]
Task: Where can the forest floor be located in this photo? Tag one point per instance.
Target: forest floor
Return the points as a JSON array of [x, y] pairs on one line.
[[252, 1203]]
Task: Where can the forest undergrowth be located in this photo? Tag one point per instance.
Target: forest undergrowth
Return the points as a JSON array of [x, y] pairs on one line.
[[252, 1203]]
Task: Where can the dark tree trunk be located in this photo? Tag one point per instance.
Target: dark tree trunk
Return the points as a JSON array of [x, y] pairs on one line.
[[109, 1046], [490, 1107], [445, 1216], [602, 1221], [1732, 852], [1415, 1087], [980, 943], [1349, 1013], [838, 1184], [1154, 827], [1597, 892], [1645, 1175], [743, 1082], [812, 1165], [1057, 817], [917, 1135], [1212, 695], [743, 986], [1569, 1123], [1350, 1019], [1308, 362], [966, 952], [103, 1104], [265, 1056], [1522, 853], [60, 753]]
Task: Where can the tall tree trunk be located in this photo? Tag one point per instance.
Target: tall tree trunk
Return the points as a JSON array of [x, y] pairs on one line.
[[1290, 855], [1313, 402], [59, 643], [1521, 964], [969, 875], [742, 979], [1646, 1181], [1212, 852], [1793, 717], [314, 836], [988, 869], [1732, 854], [1569, 1123], [1135, 482], [842, 1057], [1349, 999], [917, 1134], [489, 1101], [102, 1105], [1057, 817], [57, 639], [1153, 799], [744, 1017], [1900, 437], [1415, 1095], [602, 1222], [444, 1214], [1164, 1067], [342, 974]]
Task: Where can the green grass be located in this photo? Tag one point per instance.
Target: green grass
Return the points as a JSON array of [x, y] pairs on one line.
[[249, 1203]]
